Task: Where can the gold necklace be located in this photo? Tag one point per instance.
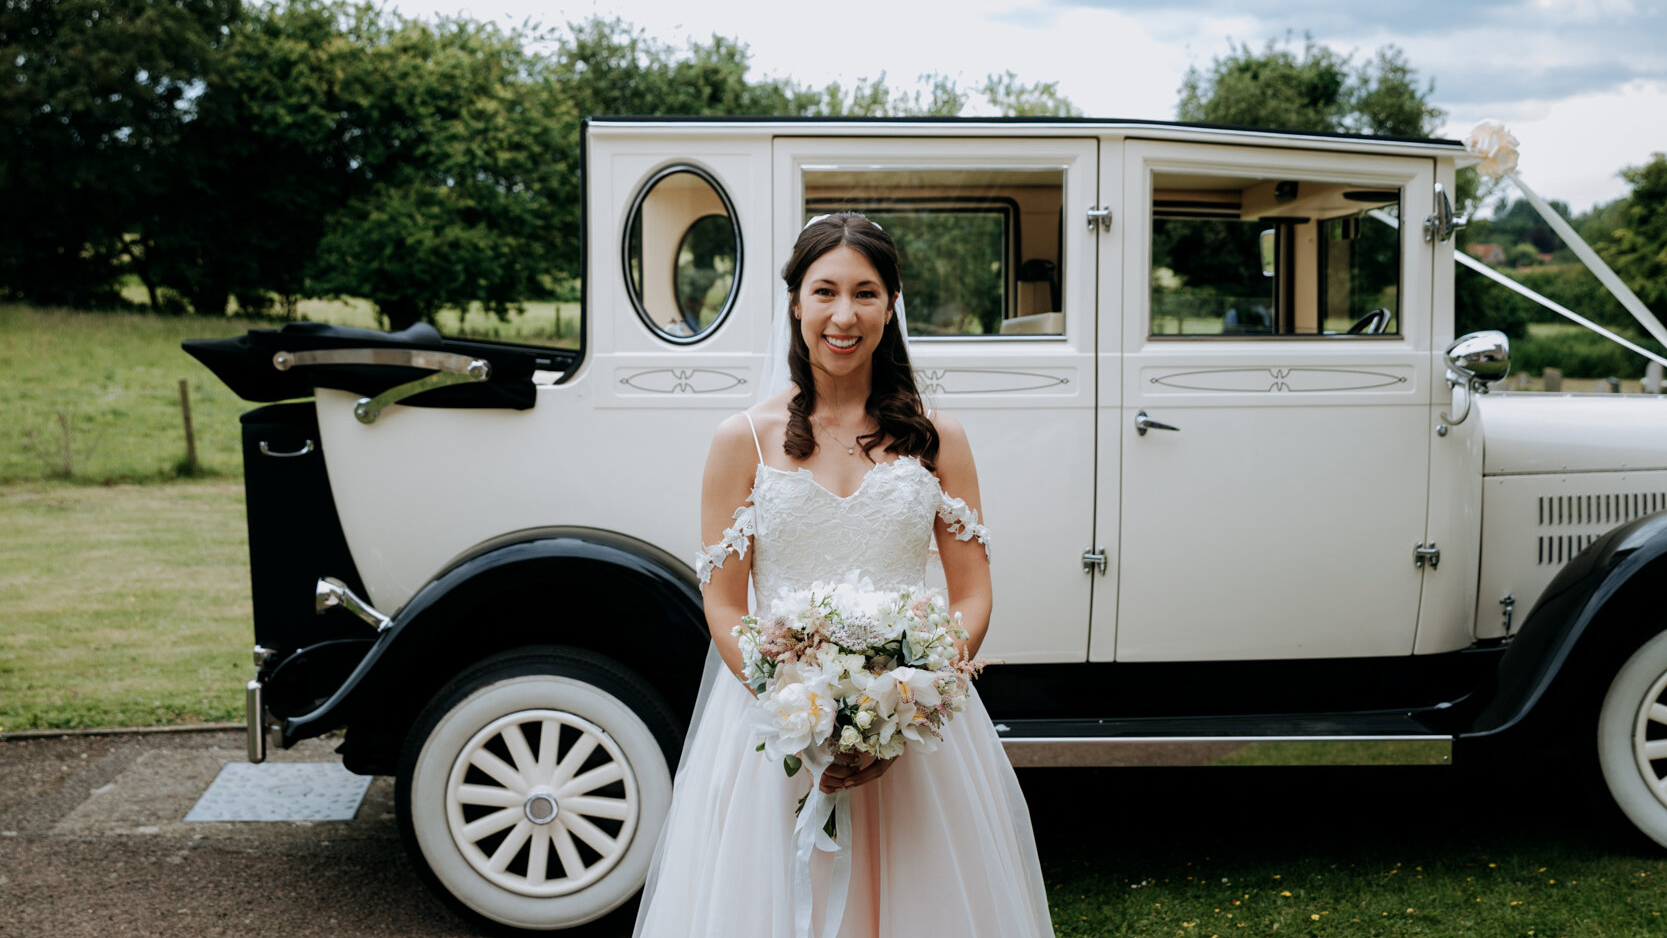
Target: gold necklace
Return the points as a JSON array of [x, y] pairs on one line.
[[850, 448]]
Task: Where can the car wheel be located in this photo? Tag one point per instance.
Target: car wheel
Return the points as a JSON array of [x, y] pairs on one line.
[[1632, 739], [532, 789]]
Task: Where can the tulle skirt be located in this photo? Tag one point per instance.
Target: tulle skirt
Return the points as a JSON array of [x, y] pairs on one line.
[[942, 842]]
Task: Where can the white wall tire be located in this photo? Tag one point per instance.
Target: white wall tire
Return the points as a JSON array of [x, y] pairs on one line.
[[1632, 739], [532, 790]]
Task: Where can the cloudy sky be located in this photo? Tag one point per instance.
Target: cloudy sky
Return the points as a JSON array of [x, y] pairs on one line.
[[1582, 83]]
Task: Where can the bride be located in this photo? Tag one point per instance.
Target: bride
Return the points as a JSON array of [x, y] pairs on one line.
[[841, 471]]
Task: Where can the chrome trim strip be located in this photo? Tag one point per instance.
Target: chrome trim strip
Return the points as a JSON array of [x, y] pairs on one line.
[[254, 714], [452, 362], [1060, 751]]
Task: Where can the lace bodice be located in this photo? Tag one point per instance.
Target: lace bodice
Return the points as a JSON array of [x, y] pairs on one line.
[[801, 532]]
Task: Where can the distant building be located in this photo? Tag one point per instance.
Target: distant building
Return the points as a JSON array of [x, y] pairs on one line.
[[1490, 254]]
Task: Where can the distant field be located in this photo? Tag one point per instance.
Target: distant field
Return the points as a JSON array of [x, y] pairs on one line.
[[94, 397]]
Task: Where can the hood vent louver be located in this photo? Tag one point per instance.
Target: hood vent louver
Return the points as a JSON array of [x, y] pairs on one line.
[[1592, 516]]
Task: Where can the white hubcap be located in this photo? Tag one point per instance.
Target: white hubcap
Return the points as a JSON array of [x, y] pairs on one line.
[[542, 803], [1650, 749]]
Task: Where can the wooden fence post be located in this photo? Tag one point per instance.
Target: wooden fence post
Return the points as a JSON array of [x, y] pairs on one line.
[[190, 436]]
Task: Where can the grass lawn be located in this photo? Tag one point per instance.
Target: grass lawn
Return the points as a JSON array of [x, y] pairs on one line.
[[105, 386], [123, 605], [1353, 853]]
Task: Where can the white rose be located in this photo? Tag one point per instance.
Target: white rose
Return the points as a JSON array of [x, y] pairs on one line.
[[849, 736], [864, 718]]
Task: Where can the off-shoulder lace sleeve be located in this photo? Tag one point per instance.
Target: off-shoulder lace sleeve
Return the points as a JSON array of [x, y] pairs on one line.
[[963, 521], [734, 541]]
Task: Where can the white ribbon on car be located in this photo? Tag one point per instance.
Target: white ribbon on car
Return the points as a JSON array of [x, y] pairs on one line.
[[1498, 149], [808, 837]]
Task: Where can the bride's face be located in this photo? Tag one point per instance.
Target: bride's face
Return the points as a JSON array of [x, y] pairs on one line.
[[843, 309]]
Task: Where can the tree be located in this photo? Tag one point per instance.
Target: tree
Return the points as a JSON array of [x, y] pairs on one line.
[[95, 98], [1319, 90], [269, 155], [456, 194], [942, 97], [1637, 247], [1013, 98]]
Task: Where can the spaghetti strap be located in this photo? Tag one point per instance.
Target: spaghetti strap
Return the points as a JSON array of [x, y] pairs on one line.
[[754, 429]]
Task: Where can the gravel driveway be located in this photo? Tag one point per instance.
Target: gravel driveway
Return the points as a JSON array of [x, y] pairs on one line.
[[92, 843]]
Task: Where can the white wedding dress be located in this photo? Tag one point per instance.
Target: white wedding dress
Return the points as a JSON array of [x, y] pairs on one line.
[[941, 842]]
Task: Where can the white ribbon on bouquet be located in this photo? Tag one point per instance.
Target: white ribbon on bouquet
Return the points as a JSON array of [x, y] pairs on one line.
[[808, 837]]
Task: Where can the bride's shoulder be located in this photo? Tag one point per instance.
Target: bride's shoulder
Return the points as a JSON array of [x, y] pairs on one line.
[[954, 452], [950, 432]]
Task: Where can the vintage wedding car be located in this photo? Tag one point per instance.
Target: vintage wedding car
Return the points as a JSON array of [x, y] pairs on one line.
[[1249, 503]]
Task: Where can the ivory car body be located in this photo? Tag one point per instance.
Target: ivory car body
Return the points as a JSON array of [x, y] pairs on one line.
[[1241, 495]]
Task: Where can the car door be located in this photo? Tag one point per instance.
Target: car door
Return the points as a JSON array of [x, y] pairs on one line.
[[998, 279], [1274, 424]]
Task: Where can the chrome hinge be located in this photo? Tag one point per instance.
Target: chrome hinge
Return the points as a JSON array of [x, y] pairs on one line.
[[1099, 216], [1094, 559], [1440, 224], [1421, 554], [1508, 606]]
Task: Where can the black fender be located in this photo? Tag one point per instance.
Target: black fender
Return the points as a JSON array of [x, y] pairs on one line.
[[1594, 613], [577, 587]]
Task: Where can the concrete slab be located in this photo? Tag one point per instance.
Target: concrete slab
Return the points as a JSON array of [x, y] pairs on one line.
[[281, 791]]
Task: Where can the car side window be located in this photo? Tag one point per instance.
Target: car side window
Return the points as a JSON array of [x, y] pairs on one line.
[[682, 253], [980, 248], [1249, 256]]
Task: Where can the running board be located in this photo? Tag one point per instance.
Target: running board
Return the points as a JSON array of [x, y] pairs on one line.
[[1316, 739]]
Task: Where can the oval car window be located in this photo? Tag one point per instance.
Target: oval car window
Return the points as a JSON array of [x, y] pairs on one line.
[[682, 254]]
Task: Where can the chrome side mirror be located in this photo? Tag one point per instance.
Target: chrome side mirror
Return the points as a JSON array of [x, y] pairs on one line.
[[1473, 362]]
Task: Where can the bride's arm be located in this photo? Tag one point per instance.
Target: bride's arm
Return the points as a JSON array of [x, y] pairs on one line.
[[966, 564], [725, 487]]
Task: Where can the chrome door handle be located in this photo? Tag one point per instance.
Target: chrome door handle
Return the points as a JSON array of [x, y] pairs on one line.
[[1142, 423], [306, 448]]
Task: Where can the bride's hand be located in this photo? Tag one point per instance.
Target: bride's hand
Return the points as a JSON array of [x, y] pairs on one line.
[[850, 770]]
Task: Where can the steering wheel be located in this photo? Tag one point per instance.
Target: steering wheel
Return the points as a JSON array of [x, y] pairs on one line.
[[1373, 323]]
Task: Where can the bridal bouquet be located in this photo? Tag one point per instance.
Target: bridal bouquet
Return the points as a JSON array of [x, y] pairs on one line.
[[855, 668]]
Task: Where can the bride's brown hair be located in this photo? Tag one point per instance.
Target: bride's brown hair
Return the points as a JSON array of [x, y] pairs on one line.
[[893, 400]]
